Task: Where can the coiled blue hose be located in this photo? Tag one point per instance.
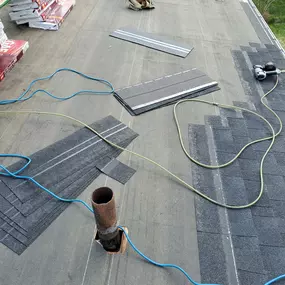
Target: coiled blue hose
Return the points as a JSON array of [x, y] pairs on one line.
[[22, 97]]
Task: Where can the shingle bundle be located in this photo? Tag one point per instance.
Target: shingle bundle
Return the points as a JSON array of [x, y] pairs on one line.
[[42, 14]]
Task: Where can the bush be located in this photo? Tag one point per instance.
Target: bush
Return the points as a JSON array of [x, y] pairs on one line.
[[280, 19], [270, 19]]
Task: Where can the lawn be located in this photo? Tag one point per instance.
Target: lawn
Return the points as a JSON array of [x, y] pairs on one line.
[[273, 12]]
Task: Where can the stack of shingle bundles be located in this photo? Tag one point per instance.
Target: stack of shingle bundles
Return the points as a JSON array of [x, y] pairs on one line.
[[11, 51], [24, 11], [43, 14], [56, 17]]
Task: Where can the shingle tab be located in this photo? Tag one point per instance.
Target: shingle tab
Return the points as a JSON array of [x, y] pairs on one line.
[[273, 258], [212, 258]]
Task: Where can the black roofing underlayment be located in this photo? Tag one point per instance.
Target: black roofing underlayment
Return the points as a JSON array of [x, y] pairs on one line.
[[242, 246], [66, 167]]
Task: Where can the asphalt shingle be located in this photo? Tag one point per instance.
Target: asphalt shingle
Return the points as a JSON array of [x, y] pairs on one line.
[[212, 258], [207, 216], [262, 211], [234, 190], [214, 121], [252, 190], [273, 258], [251, 278], [250, 169], [275, 193], [278, 208], [247, 254], [225, 146], [241, 223], [268, 231], [222, 134], [199, 141], [238, 127], [258, 233]]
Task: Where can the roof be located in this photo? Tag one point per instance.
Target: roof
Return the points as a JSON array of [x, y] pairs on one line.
[[165, 220]]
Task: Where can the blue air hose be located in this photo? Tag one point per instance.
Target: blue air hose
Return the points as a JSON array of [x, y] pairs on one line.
[[169, 265], [275, 280], [7, 172], [22, 97], [16, 175], [165, 265]]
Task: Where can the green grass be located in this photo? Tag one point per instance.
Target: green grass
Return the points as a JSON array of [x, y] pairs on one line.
[[279, 31], [274, 16]]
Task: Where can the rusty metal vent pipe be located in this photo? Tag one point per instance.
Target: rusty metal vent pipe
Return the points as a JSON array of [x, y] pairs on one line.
[[103, 204]]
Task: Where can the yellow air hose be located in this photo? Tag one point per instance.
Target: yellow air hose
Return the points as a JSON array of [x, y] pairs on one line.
[[272, 138]]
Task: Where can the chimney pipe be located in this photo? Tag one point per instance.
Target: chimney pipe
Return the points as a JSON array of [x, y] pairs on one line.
[[103, 204]]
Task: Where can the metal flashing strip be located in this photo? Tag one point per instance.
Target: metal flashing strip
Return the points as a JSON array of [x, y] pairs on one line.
[[199, 88], [165, 90], [152, 41]]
